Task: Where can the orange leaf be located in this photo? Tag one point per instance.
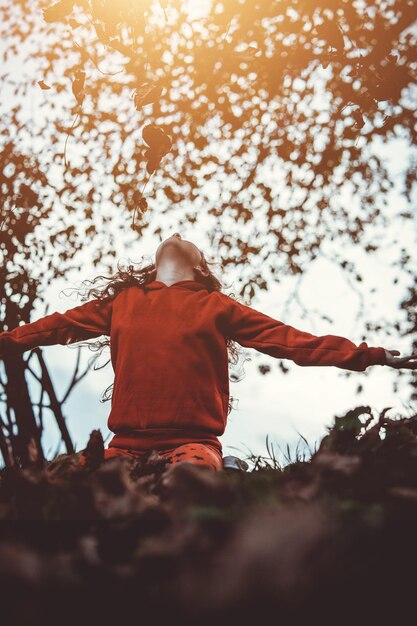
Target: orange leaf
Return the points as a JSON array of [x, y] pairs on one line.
[[146, 94], [156, 138], [78, 86], [159, 144], [359, 121]]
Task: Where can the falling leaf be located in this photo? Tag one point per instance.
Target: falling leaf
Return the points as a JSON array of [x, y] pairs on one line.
[[78, 86], [146, 94], [156, 138], [159, 144], [153, 161], [43, 85], [359, 121]]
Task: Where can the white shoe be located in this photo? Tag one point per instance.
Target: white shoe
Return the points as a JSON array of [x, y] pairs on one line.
[[234, 463]]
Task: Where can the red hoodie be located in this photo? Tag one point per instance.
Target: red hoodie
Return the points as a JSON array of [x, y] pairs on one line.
[[169, 356]]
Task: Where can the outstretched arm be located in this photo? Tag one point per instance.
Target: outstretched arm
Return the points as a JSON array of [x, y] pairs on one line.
[[88, 320], [254, 329]]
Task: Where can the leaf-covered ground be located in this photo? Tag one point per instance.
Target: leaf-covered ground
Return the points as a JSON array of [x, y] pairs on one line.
[[331, 539]]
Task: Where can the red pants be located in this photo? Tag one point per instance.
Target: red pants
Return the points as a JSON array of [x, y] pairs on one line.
[[197, 453]]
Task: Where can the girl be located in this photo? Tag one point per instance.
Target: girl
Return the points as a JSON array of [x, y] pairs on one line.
[[170, 328]]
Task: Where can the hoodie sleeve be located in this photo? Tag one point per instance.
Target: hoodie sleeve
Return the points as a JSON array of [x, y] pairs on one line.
[[253, 329], [86, 321]]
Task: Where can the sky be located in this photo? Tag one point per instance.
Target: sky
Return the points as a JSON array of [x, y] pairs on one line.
[[282, 407]]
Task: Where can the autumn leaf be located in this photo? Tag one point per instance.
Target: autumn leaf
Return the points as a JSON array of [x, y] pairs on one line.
[[156, 138], [359, 121], [153, 161], [58, 11], [78, 86], [146, 94], [43, 85], [159, 144]]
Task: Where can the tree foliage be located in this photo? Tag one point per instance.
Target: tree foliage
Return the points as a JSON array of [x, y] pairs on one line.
[[274, 107]]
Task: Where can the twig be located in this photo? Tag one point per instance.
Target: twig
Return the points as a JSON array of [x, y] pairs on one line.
[[66, 140], [94, 63]]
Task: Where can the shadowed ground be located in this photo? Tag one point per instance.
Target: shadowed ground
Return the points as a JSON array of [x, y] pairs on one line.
[[332, 538]]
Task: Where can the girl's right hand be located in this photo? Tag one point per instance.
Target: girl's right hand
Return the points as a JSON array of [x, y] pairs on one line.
[[405, 362]]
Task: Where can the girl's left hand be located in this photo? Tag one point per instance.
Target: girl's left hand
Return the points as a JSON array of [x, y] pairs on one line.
[[405, 362]]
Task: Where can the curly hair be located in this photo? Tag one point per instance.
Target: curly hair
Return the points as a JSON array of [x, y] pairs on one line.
[[128, 277]]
